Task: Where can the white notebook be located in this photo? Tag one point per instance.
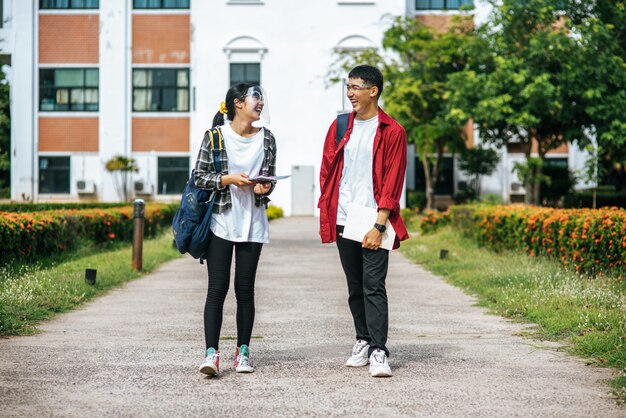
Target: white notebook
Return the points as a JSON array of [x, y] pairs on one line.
[[359, 221]]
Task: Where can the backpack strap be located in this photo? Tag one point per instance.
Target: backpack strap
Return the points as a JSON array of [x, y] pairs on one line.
[[217, 143], [341, 127]]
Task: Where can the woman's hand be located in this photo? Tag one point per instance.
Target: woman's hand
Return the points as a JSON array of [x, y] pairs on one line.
[[239, 180], [262, 188]]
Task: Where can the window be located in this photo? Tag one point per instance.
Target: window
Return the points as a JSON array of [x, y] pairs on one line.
[[245, 73], [161, 4], [68, 4], [441, 4], [173, 174], [161, 90], [68, 89], [54, 175]]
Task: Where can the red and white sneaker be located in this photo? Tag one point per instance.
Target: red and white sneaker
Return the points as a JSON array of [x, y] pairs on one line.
[[242, 360], [211, 364]]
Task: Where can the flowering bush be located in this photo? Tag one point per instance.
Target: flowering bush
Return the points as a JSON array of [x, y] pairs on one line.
[[590, 240], [39, 234], [274, 212], [433, 220]]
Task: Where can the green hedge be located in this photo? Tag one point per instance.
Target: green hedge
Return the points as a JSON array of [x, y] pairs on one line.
[[584, 239], [38, 207], [274, 212], [603, 199], [34, 235], [416, 200]]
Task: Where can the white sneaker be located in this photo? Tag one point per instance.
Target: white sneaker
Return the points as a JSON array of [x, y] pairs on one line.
[[378, 364], [242, 360], [359, 354], [211, 363]]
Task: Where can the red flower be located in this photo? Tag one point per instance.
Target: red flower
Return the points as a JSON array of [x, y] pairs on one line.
[[111, 235]]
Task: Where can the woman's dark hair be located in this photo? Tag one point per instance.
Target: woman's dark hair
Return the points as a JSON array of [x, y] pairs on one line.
[[371, 75], [237, 91]]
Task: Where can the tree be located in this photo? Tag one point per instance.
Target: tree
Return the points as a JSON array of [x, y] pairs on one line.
[[601, 76], [416, 86], [5, 139], [122, 168], [477, 162], [519, 85]]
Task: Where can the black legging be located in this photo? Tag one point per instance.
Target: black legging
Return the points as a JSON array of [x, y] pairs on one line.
[[219, 258]]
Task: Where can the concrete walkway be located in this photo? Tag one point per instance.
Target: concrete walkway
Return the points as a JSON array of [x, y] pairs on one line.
[[135, 351]]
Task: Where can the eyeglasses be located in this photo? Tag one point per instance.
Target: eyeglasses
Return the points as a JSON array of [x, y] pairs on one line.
[[357, 87]]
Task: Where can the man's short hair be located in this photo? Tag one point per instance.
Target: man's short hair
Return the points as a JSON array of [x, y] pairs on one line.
[[371, 75]]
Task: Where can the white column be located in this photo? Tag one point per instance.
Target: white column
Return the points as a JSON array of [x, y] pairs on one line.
[[115, 118], [24, 109]]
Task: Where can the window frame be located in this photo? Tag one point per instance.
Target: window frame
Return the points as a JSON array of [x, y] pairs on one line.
[[244, 2], [161, 7], [69, 89], [230, 73], [184, 178], [65, 190], [161, 88], [69, 5], [437, 9]]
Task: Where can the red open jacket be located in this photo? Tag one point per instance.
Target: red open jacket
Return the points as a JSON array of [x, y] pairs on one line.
[[388, 171]]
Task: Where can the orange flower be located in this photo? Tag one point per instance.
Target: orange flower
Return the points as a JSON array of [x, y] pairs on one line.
[[111, 235]]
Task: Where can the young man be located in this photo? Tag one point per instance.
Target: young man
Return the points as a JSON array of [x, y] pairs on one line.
[[367, 167]]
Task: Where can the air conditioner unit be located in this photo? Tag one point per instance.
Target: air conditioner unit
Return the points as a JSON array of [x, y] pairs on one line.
[[142, 187], [517, 188], [85, 187]]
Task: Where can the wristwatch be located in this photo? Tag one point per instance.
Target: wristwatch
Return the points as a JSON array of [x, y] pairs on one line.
[[381, 228]]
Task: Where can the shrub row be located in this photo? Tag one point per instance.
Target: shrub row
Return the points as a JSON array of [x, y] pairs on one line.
[[433, 220], [585, 199], [27, 236], [584, 239], [274, 212], [38, 207]]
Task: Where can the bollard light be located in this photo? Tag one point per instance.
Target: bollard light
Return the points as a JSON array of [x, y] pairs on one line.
[[138, 217], [90, 276]]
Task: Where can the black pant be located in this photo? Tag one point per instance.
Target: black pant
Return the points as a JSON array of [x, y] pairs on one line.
[[219, 258], [366, 272]]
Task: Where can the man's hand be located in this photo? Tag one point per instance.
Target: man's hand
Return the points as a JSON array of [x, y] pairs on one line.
[[372, 239], [262, 188]]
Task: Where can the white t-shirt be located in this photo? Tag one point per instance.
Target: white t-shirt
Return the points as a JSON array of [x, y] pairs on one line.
[[356, 184], [244, 221]]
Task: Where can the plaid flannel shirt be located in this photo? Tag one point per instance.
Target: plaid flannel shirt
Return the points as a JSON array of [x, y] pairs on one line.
[[207, 178]]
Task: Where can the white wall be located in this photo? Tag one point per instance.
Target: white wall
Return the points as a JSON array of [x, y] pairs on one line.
[[114, 125], [293, 41], [23, 139], [299, 37]]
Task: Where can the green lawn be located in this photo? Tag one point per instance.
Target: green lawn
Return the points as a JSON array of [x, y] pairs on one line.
[[29, 294], [587, 314]]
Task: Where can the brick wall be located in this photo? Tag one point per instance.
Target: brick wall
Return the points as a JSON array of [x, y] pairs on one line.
[[161, 39], [160, 134], [441, 23], [68, 134], [68, 39]]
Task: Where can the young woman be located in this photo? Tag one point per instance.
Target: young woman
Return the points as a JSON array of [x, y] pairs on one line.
[[239, 222]]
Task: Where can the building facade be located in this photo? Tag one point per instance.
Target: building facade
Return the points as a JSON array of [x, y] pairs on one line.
[[95, 79]]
